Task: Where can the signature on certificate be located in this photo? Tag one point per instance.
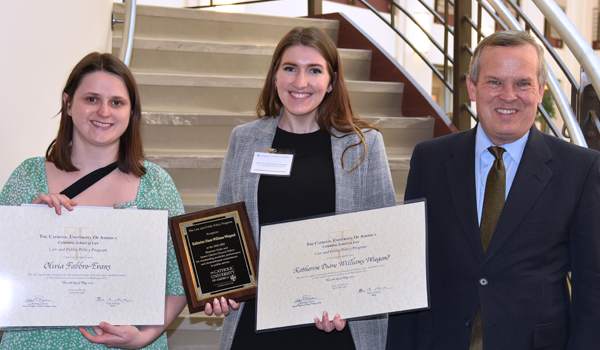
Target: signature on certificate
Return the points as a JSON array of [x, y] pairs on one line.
[[38, 301], [306, 300], [113, 302], [372, 291]]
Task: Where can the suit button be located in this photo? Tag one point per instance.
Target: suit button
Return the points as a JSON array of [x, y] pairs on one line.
[[468, 323], [483, 282]]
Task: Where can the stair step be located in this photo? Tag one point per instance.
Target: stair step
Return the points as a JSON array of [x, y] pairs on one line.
[[186, 24], [197, 187], [221, 58], [194, 202], [187, 160], [195, 133], [186, 138], [206, 160], [402, 134], [197, 93], [216, 118], [197, 175], [202, 119]]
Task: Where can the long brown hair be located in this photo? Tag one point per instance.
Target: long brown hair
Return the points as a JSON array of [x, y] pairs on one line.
[[131, 153], [335, 111]]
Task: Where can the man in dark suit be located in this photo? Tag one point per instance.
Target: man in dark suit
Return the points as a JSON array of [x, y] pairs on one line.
[[506, 288]]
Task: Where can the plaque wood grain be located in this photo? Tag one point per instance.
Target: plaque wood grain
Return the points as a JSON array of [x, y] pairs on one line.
[[194, 275]]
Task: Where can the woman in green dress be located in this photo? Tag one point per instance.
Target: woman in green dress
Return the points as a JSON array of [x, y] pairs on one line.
[[100, 125]]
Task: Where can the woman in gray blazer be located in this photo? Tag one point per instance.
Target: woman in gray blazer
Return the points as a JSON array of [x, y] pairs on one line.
[[339, 166]]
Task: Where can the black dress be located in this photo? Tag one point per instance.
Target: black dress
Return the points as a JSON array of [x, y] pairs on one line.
[[308, 191]]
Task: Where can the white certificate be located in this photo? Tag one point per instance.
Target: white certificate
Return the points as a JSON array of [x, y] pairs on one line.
[[82, 267], [358, 264]]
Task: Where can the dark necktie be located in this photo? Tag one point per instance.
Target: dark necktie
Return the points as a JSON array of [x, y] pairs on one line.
[[493, 202]]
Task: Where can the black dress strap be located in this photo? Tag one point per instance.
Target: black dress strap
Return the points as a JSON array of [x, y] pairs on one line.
[[85, 182]]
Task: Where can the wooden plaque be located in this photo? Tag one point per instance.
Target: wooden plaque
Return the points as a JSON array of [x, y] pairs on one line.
[[216, 254]]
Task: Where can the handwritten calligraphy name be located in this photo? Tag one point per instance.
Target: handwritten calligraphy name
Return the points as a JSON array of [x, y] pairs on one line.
[[348, 262], [51, 265]]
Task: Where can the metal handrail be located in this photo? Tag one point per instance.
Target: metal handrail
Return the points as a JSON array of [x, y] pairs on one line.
[[212, 4], [548, 47], [403, 37], [583, 52], [435, 14], [491, 12], [128, 32], [562, 103], [429, 36]]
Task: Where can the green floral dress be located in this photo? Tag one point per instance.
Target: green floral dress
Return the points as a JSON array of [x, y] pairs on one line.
[[156, 191]]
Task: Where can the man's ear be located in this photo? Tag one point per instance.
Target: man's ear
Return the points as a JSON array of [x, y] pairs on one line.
[[541, 93], [472, 89]]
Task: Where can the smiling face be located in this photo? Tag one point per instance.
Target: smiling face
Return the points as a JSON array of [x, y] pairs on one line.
[[302, 80], [100, 109], [507, 92]]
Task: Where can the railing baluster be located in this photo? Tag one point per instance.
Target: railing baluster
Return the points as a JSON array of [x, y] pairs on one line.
[[403, 37], [462, 42], [407, 14]]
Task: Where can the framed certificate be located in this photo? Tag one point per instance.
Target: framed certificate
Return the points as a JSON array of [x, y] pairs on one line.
[[216, 254], [358, 264], [82, 267]]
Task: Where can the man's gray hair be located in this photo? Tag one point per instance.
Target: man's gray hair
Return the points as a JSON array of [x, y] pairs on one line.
[[508, 38]]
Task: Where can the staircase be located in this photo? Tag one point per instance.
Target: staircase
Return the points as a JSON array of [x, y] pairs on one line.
[[200, 73]]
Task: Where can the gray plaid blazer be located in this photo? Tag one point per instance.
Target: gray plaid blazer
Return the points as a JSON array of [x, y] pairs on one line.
[[367, 187]]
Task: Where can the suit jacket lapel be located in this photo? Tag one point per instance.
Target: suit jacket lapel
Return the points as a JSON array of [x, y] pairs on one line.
[[264, 133], [460, 171], [531, 178]]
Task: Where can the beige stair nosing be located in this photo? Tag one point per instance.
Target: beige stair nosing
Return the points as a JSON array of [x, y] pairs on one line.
[[193, 206], [202, 80], [187, 161], [190, 208], [223, 47], [189, 119], [187, 154], [399, 162], [191, 160], [401, 122], [170, 79], [197, 197], [181, 13], [199, 119], [198, 46]]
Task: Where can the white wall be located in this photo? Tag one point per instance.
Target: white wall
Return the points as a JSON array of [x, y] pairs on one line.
[[41, 41]]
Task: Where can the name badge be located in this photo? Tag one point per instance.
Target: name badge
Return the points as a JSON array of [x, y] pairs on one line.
[[274, 164]]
